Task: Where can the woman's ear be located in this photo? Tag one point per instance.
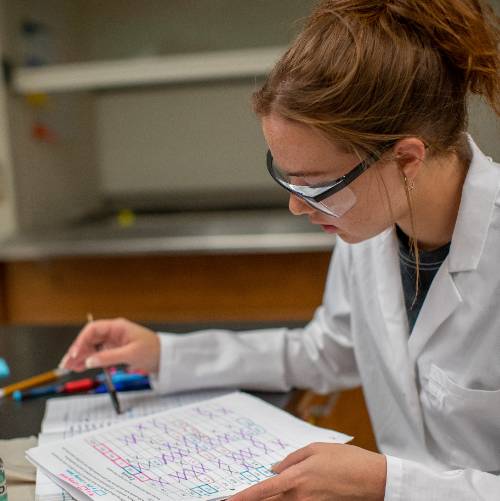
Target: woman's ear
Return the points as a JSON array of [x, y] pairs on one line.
[[409, 154]]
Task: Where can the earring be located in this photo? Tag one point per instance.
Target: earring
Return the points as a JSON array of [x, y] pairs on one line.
[[409, 186]]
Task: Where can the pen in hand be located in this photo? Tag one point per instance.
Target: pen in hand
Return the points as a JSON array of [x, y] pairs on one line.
[[107, 378]]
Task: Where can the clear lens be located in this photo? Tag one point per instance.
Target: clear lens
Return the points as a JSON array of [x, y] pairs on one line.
[[335, 205]]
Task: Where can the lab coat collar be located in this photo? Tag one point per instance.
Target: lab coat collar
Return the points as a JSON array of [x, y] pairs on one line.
[[479, 194], [442, 299], [395, 322], [478, 199]]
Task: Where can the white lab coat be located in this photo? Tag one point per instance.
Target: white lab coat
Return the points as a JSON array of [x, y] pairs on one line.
[[433, 397]]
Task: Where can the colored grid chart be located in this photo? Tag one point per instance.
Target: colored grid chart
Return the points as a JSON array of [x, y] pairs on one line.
[[221, 452], [206, 450]]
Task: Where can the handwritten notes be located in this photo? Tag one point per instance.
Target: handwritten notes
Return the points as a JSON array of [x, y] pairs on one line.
[[70, 416], [207, 450]]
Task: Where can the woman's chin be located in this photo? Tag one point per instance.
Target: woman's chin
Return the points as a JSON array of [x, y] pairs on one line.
[[350, 239]]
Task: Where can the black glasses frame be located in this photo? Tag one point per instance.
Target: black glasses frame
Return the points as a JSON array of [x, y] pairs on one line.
[[336, 185]]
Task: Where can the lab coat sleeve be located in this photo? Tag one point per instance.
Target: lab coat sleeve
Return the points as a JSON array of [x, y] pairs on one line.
[[411, 481], [318, 357]]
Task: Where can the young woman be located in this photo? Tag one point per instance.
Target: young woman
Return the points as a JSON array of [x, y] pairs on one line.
[[365, 118]]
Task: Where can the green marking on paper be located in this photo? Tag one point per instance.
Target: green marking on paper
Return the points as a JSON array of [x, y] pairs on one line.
[[3, 483]]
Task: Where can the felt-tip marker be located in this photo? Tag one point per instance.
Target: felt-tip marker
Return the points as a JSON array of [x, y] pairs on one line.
[[107, 378], [78, 386], [126, 386]]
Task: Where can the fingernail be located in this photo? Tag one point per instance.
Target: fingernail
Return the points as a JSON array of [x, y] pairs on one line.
[[90, 363], [62, 363]]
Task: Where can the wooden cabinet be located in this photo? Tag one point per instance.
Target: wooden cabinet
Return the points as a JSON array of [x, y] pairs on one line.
[[253, 287]]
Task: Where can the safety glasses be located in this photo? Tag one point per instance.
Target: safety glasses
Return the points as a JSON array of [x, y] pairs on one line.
[[333, 198]]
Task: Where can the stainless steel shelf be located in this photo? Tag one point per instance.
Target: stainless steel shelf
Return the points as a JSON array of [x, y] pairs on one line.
[[250, 231], [154, 70]]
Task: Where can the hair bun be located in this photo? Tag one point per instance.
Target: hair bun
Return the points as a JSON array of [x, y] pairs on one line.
[[465, 32], [366, 72]]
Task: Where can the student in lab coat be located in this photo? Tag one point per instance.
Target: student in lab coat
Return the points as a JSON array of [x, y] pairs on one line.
[[365, 118]]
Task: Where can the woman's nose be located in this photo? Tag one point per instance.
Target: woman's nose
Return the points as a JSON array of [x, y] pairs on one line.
[[298, 207]]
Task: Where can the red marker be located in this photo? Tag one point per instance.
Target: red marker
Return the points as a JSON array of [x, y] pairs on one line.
[[78, 386]]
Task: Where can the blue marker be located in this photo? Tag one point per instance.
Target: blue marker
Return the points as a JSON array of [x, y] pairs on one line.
[[4, 368], [140, 384], [123, 377], [35, 392]]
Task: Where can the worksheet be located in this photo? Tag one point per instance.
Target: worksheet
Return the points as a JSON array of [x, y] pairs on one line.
[[79, 414], [69, 416], [208, 450]]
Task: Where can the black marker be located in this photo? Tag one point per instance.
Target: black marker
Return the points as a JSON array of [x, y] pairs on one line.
[[108, 380]]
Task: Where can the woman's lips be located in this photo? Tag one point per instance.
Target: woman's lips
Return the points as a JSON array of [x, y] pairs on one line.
[[329, 228]]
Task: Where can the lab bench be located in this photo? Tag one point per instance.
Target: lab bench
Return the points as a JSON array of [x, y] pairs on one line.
[[186, 266]]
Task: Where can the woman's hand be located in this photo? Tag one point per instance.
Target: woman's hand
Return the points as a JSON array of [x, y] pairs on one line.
[[110, 342], [322, 471]]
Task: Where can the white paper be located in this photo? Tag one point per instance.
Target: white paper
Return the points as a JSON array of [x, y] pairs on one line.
[[79, 414], [207, 450], [70, 416]]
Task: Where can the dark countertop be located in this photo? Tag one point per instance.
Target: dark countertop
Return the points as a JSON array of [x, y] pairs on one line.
[[31, 350]]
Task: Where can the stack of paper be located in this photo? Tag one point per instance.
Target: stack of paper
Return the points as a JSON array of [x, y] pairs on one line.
[[70, 416], [207, 450]]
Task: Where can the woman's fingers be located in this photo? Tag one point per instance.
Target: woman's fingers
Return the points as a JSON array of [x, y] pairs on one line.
[[86, 344], [109, 342], [272, 487], [113, 356], [295, 457]]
